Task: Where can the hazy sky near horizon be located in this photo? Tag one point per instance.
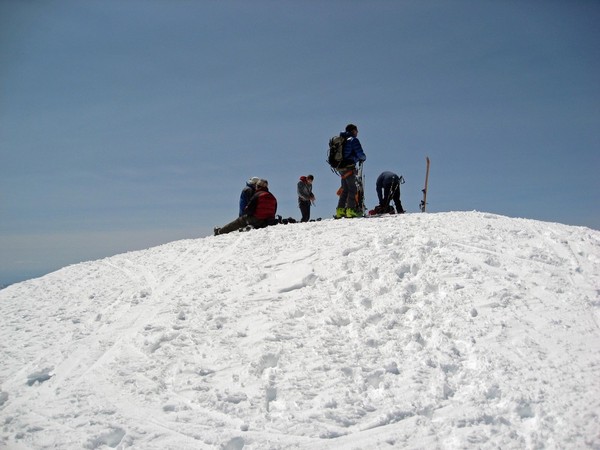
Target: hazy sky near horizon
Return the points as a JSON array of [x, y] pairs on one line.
[[125, 125]]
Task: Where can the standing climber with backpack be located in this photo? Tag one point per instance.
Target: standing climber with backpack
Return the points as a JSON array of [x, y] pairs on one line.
[[352, 153]]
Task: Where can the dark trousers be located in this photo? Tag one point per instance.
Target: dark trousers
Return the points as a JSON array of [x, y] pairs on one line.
[[241, 222], [389, 196], [348, 188], [304, 210]]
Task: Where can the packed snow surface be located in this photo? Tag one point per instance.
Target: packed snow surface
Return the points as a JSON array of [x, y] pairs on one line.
[[451, 330]]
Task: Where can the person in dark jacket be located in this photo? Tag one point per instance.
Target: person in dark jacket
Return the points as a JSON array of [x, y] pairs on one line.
[[352, 153], [259, 212], [388, 189], [305, 196], [247, 194]]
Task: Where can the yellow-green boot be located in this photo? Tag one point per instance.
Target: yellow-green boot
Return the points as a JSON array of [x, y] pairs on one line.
[[351, 213], [340, 212]]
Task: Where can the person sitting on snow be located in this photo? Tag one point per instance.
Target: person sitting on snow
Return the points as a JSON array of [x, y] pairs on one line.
[[260, 211], [247, 194]]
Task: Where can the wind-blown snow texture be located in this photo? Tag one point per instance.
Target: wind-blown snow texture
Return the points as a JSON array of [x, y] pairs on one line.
[[451, 330]]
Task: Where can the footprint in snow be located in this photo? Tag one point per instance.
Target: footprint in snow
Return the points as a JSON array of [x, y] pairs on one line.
[[40, 376], [237, 443]]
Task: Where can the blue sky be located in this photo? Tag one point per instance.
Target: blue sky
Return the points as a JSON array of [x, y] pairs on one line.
[[125, 125]]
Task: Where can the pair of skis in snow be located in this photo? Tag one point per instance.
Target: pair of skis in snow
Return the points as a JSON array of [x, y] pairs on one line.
[[424, 200]]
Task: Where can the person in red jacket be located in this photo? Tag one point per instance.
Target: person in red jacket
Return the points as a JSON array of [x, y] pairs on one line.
[[261, 210]]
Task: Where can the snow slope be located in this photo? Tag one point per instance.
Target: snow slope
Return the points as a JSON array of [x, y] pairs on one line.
[[450, 330]]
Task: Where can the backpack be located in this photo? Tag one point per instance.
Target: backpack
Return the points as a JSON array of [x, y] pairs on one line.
[[335, 155]]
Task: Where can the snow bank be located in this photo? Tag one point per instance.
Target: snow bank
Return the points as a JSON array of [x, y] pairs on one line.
[[448, 330]]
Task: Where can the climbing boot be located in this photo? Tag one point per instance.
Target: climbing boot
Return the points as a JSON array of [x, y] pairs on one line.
[[351, 213]]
